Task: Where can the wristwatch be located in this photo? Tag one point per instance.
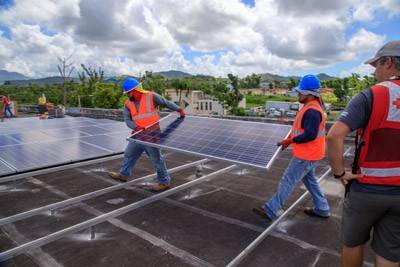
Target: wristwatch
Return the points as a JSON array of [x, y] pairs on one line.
[[338, 176]]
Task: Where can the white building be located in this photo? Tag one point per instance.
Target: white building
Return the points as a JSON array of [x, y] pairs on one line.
[[197, 103]]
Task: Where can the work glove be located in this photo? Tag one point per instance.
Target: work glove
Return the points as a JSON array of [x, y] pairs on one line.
[[285, 143], [181, 113]]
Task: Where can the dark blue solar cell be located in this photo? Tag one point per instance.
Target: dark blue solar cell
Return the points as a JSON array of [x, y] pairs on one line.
[[65, 133], [31, 156], [4, 140], [31, 136], [112, 143], [31, 143], [104, 121], [93, 130], [115, 127], [77, 150], [244, 142]]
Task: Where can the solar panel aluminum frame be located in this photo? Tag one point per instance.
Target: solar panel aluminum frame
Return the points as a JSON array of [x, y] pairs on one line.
[[266, 167], [11, 168]]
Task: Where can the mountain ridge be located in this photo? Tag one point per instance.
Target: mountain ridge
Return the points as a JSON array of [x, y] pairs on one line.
[[15, 78], [11, 75]]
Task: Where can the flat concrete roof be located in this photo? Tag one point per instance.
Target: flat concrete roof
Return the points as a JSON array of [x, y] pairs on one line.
[[206, 225]]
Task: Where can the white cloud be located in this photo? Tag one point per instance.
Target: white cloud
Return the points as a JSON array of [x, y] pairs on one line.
[[362, 70], [131, 36], [364, 10], [393, 6], [364, 40]]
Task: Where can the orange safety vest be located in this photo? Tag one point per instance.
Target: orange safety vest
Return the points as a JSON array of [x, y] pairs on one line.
[[315, 149], [380, 157], [147, 114]]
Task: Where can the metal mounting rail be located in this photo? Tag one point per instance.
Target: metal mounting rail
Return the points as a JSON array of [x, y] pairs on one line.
[[14, 177], [70, 201], [107, 216], [238, 259]]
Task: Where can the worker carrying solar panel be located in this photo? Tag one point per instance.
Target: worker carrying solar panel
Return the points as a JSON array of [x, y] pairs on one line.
[[140, 112], [307, 138]]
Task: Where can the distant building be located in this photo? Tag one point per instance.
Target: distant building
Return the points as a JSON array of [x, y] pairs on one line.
[[281, 109], [263, 91], [197, 103], [327, 90]]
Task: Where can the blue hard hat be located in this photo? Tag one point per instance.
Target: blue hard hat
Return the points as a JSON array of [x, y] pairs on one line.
[[309, 85], [129, 84]]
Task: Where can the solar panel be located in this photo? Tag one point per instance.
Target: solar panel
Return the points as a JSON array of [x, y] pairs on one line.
[[243, 142], [93, 130], [65, 133], [30, 136], [104, 121], [29, 143], [30, 156], [76, 150], [116, 127], [113, 143], [5, 140], [4, 169]]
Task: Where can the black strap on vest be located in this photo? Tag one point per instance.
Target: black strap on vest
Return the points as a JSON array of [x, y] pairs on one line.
[[359, 141]]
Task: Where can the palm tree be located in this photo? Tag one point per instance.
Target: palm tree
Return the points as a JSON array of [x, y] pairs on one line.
[[180, 85]]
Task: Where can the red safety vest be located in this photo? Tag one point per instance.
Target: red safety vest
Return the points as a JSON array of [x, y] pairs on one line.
[[380, 156], [315, 149], [147, 114]]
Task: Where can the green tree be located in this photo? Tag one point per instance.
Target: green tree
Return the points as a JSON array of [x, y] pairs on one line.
[[292, 82], [338, 89], [228, 98], [251, 81], [180, 85], [106, 96], [154, 82], [90, 79]]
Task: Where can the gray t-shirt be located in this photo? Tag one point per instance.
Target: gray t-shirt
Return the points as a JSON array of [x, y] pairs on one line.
[[355, 116], [158, 100]]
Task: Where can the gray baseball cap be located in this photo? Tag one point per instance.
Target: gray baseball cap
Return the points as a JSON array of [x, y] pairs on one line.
[[390, 49]]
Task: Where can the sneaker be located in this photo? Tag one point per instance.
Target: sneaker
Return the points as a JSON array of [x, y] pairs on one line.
[[117, 176], [311, 212], [158, 187], [261, 212]]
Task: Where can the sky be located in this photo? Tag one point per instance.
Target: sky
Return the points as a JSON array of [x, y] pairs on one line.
[[211, 37]]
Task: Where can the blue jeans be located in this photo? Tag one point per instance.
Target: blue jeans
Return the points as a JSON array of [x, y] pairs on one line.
[[132, 153], [298, 170], [7, 111]]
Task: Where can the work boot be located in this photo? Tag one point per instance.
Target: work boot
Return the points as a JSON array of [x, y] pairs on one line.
[[117, 176], [261, 212], [311, 212], [158, 187]]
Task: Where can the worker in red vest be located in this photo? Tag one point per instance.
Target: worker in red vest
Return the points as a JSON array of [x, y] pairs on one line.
[[307, 139], [372, 199], [7, 107], [140, 111]]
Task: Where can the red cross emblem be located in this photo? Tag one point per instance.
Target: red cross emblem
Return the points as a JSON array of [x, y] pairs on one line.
[[397, 103]]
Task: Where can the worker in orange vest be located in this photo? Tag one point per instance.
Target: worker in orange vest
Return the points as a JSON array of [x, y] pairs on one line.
[[140, 112], [371, 208], [42, 107], [307, 138]]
